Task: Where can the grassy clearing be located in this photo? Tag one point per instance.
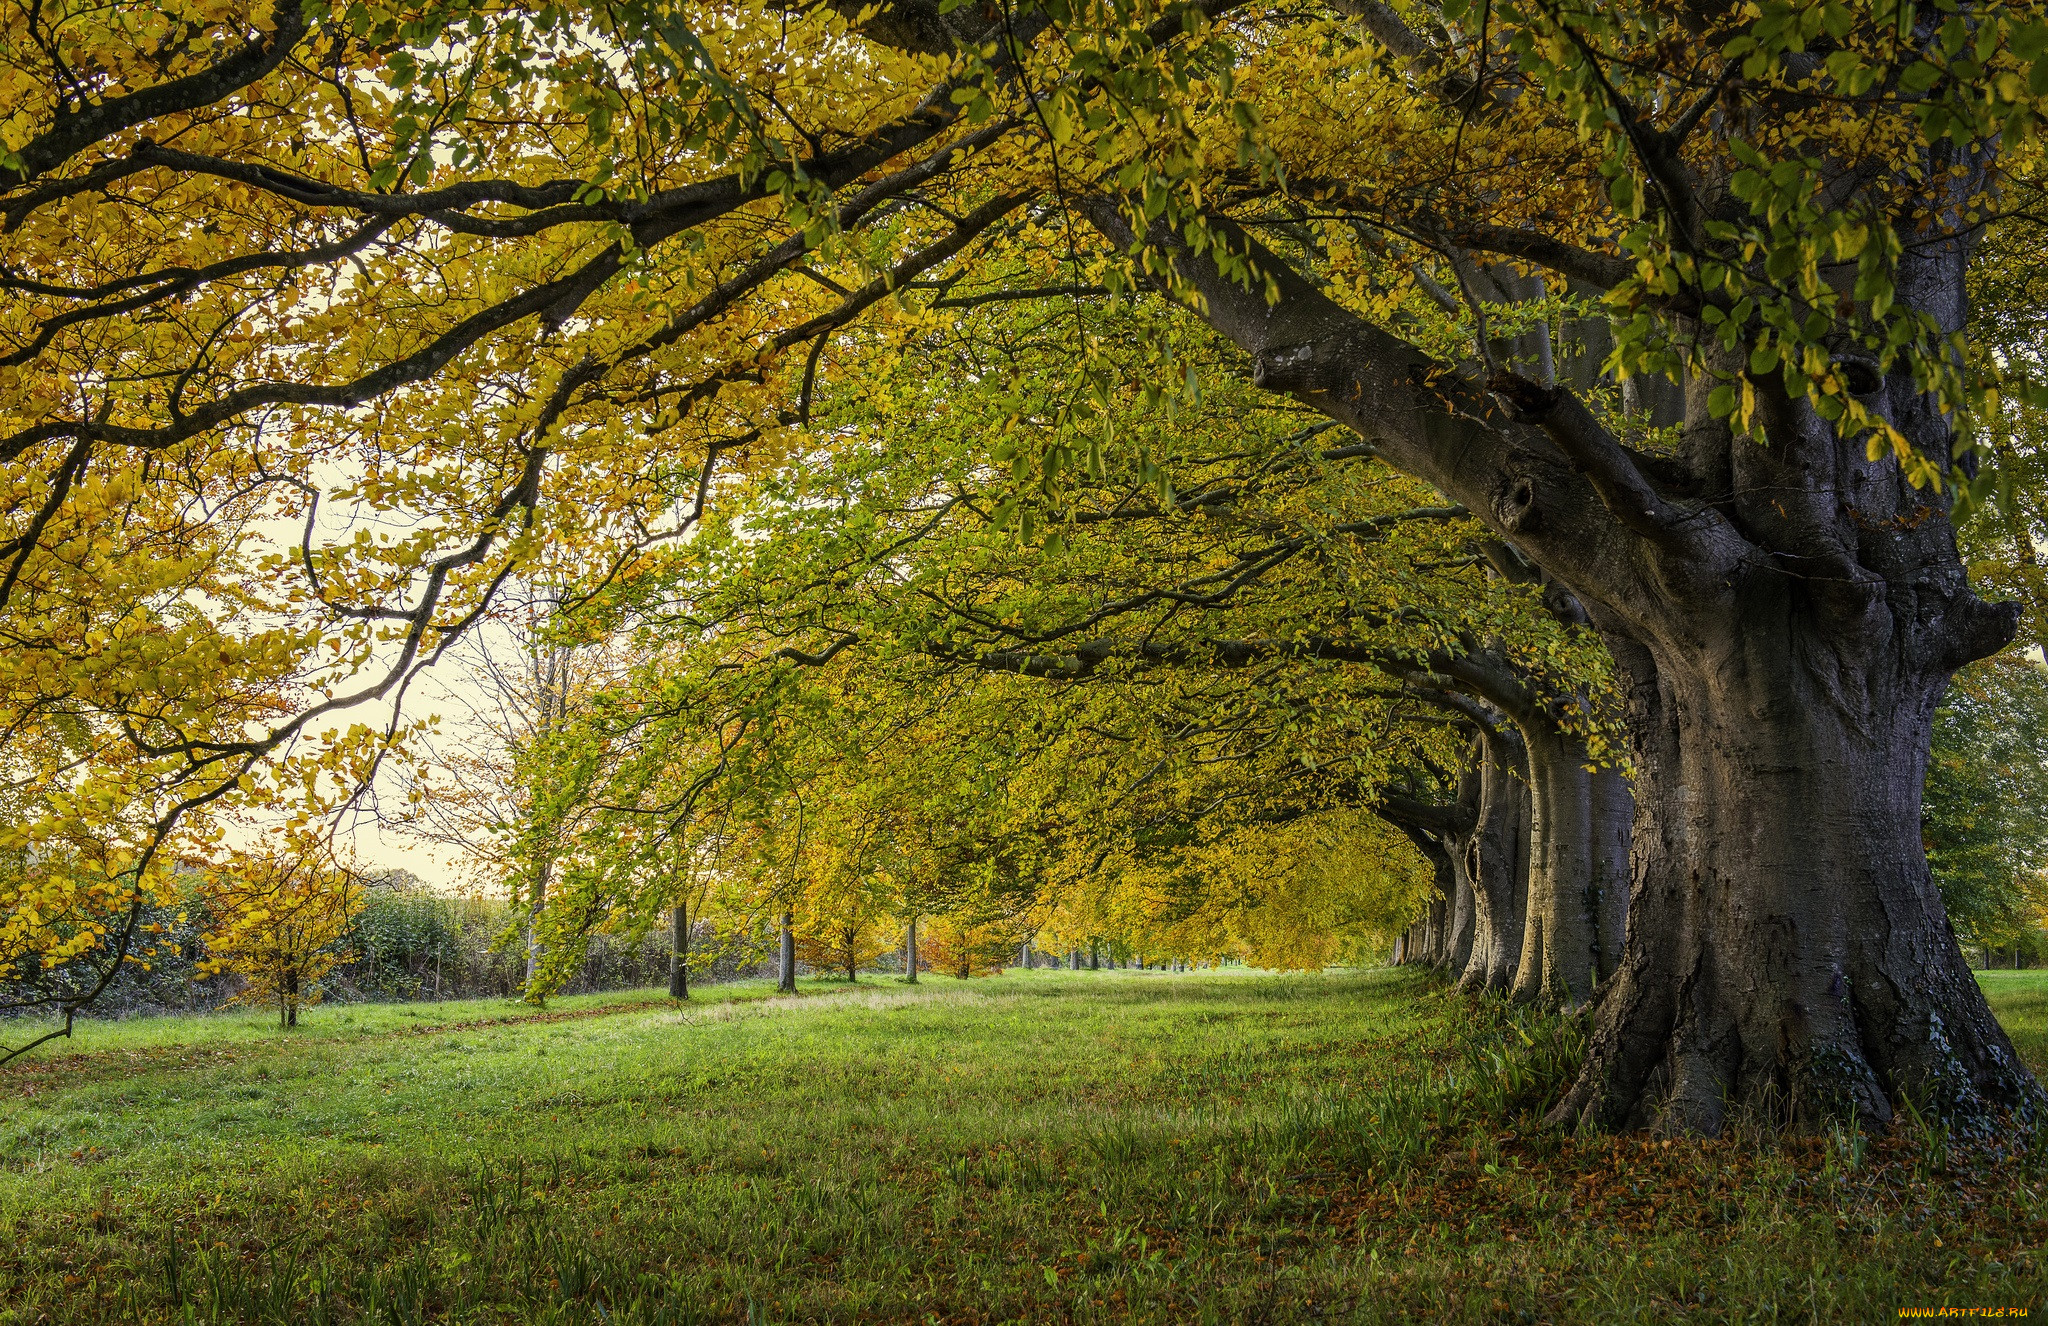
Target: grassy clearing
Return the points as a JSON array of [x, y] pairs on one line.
[[2021, 1000], [1045, 1146], [243, 1027]]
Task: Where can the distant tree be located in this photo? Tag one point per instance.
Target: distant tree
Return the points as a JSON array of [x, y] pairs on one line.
[[846, 941], [848, 904], [964, 947], [278, 921], [1985, 815]]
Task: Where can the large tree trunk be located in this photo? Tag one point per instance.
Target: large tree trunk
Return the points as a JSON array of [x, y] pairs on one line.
[[1462, 919], [1497, 862], [786, 955], [1578, 870], [1788, 957]]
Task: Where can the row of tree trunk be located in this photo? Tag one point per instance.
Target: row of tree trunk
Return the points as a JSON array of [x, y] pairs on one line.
[[1532, 858], [1531, 868]]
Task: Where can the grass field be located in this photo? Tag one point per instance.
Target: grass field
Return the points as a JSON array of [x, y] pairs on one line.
[[1215, 1147]]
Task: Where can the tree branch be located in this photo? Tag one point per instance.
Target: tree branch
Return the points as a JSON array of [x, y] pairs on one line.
[[76, 130]]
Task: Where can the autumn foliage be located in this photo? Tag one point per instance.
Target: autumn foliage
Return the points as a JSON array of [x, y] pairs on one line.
[[963, 947], [277, 921]]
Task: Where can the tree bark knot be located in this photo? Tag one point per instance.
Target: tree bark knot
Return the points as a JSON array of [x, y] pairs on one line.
[[1288, 368], [1514, 505]]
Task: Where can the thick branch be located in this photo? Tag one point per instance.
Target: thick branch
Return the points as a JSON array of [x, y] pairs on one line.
[[1536, 487], [76, 130]]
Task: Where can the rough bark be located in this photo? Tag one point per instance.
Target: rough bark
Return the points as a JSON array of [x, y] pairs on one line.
[[1788, 957]]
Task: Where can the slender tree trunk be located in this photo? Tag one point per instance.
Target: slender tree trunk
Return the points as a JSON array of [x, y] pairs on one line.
[[1442, 937], [1614, 814], [1578, 814], [535, 950], [786, 973], [1094, 956], [679, 952], [910, 951], [291, 998]]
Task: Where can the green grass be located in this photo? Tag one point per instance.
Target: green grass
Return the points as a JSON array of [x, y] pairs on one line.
[[1035, 1147], [241, 1026], [2021, 1001]]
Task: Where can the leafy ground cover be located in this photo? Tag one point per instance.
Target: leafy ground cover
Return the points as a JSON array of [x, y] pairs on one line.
[[1036, 1147]]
